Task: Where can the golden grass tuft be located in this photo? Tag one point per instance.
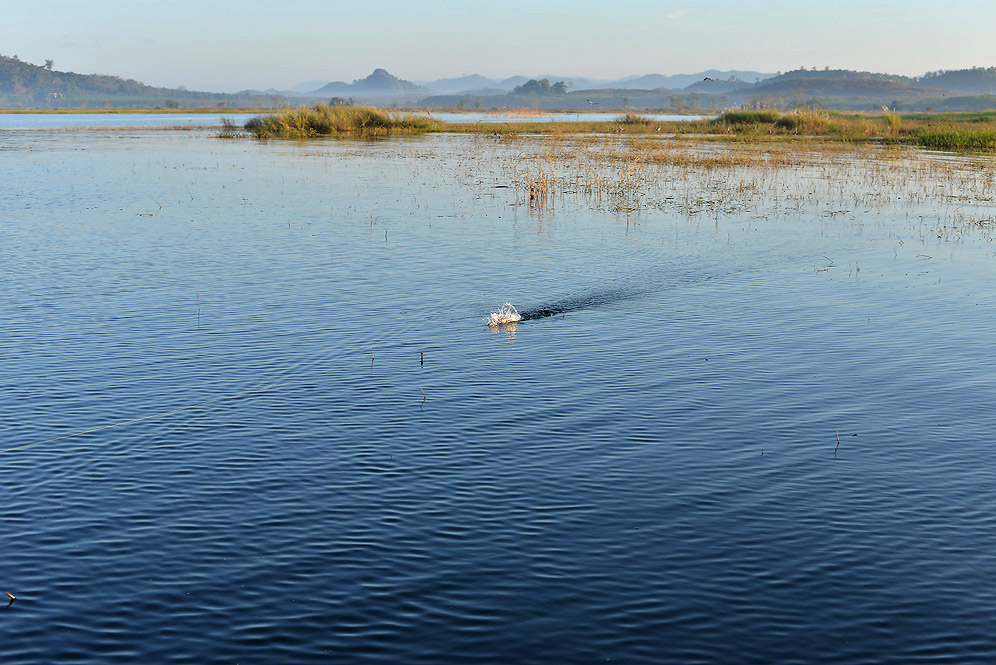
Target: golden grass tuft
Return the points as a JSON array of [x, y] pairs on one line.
[[328, 120]]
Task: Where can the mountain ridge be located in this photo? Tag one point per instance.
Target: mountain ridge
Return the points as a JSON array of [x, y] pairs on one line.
[[27, 85]]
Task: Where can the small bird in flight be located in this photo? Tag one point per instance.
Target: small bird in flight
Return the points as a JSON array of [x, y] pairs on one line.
[[591, 102]]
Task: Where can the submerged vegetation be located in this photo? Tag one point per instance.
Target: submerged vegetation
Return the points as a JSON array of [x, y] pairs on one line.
[[776, 180], [329, 120]]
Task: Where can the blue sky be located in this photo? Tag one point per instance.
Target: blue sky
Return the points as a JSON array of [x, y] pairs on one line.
[[226, 45]]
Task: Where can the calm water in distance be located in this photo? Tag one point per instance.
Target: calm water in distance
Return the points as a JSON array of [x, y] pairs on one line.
[[114, 120], [538, 116], [324, 455], [195, 120]]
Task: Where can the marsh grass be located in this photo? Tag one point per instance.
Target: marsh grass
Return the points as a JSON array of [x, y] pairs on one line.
[[807, 121], [981, 138], [746, 117], [339, 120], [818, 129], [943, 197], [893, 123], [231, 129], [635, 119]]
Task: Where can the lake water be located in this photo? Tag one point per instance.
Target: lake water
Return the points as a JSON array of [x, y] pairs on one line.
[[539, 116], [252, 411], [201, 120], [115, 120]]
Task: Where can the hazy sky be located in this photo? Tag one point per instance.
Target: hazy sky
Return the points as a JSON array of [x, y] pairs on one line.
[[224, 45]]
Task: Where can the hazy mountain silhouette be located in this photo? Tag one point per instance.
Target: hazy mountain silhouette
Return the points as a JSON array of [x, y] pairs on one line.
[[23, 84], [383, 83], [26, 85], [975, 80], [309, 86], [841, 82], [460, 83], [380, 82]]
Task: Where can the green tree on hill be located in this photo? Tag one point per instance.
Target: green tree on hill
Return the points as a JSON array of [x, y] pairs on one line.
[[541, 87]]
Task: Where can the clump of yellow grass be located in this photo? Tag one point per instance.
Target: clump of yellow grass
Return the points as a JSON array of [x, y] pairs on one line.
[[329, 120]]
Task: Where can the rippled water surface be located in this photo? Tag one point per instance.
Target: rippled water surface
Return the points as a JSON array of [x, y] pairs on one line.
[[20, 121], [252, 413], [541, 116], [111, 120]]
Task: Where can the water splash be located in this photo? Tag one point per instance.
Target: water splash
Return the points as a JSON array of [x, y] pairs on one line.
[[505, 314]]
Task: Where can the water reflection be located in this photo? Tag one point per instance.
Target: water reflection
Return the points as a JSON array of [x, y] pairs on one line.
[[507, 329]]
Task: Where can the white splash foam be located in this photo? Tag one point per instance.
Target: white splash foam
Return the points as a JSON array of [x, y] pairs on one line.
[[505, 314]]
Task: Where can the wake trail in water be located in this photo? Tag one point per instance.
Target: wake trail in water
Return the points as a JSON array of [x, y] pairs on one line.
[[622, 289], [619, 290], [588, 300]]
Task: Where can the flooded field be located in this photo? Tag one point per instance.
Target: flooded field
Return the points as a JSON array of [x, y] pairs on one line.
[[253, 410]]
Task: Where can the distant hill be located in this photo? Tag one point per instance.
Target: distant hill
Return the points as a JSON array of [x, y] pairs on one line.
[[573, 82], [647, 82], [709, 90], [975, 80], [840, 89], [856, 87], [971, 103], [309, 86], [380, 82], [511, 82], [460, 84], [832, 89], [713, 86], [485, 86], [840, 75], [533, 94], [679, 81], [24, 85]]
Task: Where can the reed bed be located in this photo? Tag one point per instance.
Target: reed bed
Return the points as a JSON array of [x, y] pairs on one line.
[[807, 121], [635, 119], [981, 138], [950, 131], [328, 120], [746, 117]]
